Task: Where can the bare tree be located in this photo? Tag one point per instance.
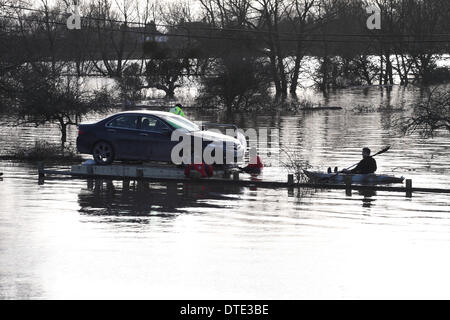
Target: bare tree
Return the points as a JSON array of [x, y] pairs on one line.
[[429, 115], [426, 18], [40, 97], [299, 13], [168, 59], [270, 16], [117, 40]]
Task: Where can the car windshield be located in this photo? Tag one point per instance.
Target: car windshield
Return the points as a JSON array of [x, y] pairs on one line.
[[181, 123]]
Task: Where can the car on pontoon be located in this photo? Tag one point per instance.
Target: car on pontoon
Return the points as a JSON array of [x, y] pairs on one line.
[[146, 136]]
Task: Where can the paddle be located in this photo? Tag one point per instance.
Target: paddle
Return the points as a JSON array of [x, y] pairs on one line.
[[386, 149]]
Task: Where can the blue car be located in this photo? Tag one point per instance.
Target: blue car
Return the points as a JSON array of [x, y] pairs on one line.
[[145, 135]]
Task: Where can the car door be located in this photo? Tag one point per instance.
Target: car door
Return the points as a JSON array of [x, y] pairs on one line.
[[155, 138], [122, 132]]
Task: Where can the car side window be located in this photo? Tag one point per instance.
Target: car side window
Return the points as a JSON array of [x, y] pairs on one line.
[[152, 124], [126, 122]]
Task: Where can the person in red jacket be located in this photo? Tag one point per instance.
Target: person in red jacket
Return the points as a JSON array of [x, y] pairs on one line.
[[255, 166], [201, 170]]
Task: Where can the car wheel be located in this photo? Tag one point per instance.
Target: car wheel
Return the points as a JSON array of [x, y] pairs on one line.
[[103, 153]]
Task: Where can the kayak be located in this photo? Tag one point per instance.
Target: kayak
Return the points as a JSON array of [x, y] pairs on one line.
[[372, 178]]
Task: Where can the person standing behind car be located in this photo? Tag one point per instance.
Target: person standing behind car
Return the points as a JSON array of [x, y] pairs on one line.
[[177, 110]]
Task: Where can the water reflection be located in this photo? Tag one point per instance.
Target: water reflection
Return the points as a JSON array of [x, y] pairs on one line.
[[73, 238], [140, 198], [61, 239], [368, 197], [16, 284]]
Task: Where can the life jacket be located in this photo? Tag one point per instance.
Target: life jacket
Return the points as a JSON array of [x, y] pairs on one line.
[[202, 170]]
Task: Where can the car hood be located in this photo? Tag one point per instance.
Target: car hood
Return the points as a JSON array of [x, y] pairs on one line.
[[214, 136]]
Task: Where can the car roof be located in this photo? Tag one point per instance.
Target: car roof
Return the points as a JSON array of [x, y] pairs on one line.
[[149, 112]]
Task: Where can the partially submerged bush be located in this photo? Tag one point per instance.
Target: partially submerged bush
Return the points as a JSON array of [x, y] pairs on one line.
[[40, 95], [130, 84], [390, 109], [343, 72], [428, 116], [238, 83], [360, 108], [295, 165], [43, 150], [298, 105]]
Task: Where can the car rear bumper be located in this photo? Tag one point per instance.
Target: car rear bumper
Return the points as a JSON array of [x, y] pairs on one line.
[[83, 146]]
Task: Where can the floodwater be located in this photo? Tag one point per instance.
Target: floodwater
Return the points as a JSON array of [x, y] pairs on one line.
[[101, 239]]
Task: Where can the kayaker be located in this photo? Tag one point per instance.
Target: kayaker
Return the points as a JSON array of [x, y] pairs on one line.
[[366, 165]]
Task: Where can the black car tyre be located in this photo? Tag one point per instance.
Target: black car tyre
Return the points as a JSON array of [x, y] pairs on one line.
[[103, 153]]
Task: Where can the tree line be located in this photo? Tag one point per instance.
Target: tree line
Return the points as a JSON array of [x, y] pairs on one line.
[[238, 50]]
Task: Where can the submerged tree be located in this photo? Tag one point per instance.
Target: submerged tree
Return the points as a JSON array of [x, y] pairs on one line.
[[40, 97], [167, 66], [170, 58], [429, 115], [236, 84], [116, 40], [238, 76], [131, 84]]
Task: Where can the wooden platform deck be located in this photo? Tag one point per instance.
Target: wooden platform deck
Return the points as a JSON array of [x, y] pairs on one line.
[[164, 173]]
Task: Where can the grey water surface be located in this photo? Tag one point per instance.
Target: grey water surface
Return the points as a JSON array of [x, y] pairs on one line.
[[101, 239]]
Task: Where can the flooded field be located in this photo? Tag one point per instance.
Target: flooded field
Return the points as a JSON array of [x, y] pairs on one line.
[[99, 239]]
